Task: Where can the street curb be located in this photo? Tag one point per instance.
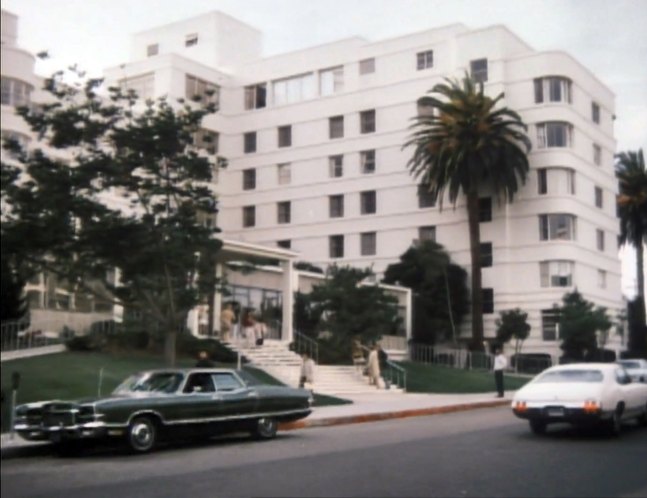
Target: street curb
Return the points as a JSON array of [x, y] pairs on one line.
[[375, 417]]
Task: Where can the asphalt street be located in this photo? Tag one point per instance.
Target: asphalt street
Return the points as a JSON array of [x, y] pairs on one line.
[[484, 452]]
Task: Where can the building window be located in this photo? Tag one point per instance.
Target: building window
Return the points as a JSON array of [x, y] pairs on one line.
[[336, 246], [554, 134], [249, 179], [256, 96], [191, 40], [367, 66], [556, 227], [478, 70], [485, 209], [285, 173], [336, 166], [599, 235], [424, 109], [336, 127], [542, 181], [336, 206], [549, 324], [284, 244], [485, 250], [367, 121], [368, 202], [249, 216], [599, 197], [488, 301], [425, 60], [425, 197], [152, 50], [294, 89], [249, 142], [552, 89], [597, 155], [602, 279], [331, 81], [285, 136], [427, 234], [556, 273], [284, 212], [206, 140], [201, 90], [570, 181], [595, 112], [143, 86], [368, 244], [367, 161]]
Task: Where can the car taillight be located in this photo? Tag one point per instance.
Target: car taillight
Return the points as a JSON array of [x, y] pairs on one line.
[[520, 406], [591, 406]]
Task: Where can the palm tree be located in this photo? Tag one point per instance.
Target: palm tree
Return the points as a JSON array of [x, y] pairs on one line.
[[632, 210], [466, 143]]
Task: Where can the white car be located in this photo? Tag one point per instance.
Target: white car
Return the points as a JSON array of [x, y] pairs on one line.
[[582, 394], [636, 368]]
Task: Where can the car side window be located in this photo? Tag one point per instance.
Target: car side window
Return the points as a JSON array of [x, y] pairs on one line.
[[200, 383], [622, 377], [226, 382]]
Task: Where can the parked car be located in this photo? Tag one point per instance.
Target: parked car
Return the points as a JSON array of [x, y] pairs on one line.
[[636, 368], [162, 404], [582, 394]]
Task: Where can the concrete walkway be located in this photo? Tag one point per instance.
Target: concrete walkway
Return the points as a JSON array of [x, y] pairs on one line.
[[368, 408]]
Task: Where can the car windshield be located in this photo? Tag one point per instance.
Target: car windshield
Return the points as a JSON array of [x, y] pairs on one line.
[[571, 376], [162, 382], [630, 364]]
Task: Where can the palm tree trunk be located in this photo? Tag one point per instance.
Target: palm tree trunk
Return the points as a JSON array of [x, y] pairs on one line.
[[640, 266], [475, 254]]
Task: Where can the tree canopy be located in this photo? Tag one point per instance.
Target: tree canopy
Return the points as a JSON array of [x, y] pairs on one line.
[[513, 324], [580, 322], [115, 184]]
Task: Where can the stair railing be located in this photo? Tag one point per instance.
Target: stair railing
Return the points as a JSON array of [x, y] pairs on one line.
[[304, 344], [397, 375]]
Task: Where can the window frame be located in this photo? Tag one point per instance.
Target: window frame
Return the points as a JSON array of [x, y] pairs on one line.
[[367, 121], [486, 253], [336, 246], [368, 243], [336, 206], [479, 75], [249, 142], [424, 60], [336, 127], [368, 202], [284, 212], [284, 173], [249, 179], [249, 216], [255, 96], [547, 228], [368, 162], [336, 166], [367, 66], [284, 136]]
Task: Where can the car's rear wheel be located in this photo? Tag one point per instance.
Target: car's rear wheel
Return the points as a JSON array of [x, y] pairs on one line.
[[265, 428], [142, 434], [642, 420], [538, 426]]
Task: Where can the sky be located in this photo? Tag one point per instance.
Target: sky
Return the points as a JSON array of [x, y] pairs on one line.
[[609, 37]]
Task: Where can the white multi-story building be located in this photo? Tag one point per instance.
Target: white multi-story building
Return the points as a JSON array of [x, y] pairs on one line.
[[313, 140]]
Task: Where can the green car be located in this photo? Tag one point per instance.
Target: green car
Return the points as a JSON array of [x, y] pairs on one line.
[[166, 404]]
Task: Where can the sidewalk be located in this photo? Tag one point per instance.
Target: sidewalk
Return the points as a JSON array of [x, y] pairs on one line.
[[367, 408]]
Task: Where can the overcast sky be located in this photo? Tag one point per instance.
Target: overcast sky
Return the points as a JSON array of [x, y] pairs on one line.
[[607, 36]]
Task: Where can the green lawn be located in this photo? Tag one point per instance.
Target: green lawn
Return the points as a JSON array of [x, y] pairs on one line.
[[71, 375], [423, 378]]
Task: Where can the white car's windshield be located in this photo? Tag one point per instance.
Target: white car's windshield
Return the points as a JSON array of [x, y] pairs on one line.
[[571, 376], [163, 382], [630, 364]]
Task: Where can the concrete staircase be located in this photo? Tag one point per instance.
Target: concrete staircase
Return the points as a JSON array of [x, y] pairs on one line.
[[277, 360]]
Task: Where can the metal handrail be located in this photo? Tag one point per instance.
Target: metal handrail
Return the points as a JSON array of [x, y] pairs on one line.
[[401, 374], [305, 344]]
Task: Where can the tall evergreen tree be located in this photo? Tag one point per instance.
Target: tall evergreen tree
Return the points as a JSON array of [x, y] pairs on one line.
[[465, 144]]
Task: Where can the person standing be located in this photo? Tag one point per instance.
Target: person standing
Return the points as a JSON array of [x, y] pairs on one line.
[[500, 364], [260, 331], [307, 375], [249, 329], [373, 366], [227, 317], [204, 361]]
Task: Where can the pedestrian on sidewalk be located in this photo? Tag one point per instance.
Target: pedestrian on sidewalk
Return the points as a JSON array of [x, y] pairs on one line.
[[227, 318], [500, 364], [307, 376], [260, 330], [373, 365], [204, 361]]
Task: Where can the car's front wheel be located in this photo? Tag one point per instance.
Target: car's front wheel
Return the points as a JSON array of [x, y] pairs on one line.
[[142, 434], [265, 428], [537, 426]]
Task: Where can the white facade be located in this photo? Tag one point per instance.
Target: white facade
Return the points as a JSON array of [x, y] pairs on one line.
[[350, 199]]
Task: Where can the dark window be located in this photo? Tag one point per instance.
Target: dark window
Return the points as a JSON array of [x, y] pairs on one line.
[[549, 321], [368, 202], [336, 205], [367, 66], [336, 246], [425, 60], [427, 233], [336, 127], [285, 136], [284, 212], [152, 50], [255, 96], [249, 216], [425, 198], [250, 142], [368, 244], [478, 70], [600, 239], [488, 301], [367, 121], [284, 244], [486, 254], [599, 197], [595, 112], [191, 40], [485, 209], [249, 179], [336, 165], [367, 160], [542, 181]]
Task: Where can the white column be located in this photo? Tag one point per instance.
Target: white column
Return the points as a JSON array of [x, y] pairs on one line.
[[288, 300], [409, 314], [217, 299]]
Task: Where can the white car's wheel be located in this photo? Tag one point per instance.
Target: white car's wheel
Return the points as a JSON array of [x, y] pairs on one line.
[[642, 420], [614, 424], [266, 428], [537, 426], [142, 434]]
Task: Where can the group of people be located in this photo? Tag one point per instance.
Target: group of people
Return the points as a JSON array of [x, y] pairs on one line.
[[253, 329]]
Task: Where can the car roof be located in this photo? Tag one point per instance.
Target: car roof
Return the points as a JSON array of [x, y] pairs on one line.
[[585, 366]]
